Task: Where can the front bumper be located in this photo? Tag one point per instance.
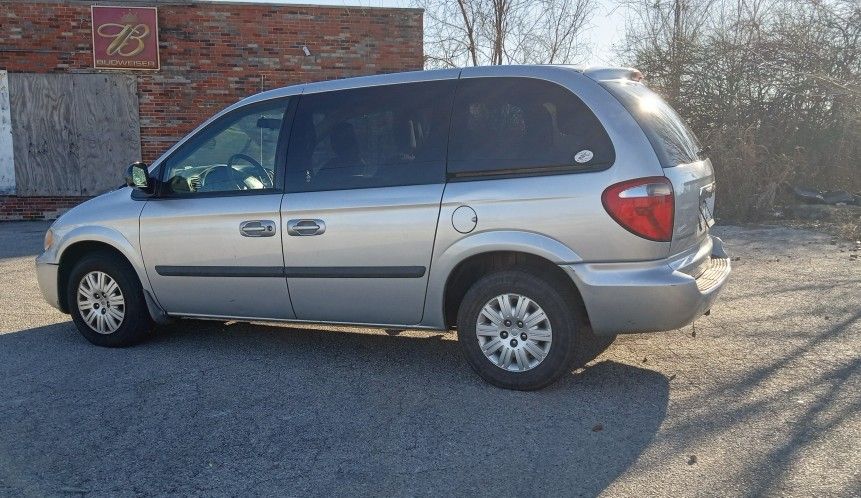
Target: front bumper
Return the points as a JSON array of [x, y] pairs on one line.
[[652, 296], [46, 274]]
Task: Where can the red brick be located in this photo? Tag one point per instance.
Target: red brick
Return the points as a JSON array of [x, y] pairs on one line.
[[38, 207], [201, 44]]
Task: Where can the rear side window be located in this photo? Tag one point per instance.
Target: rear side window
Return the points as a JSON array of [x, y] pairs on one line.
[[514, 125], [370, 137], [673, 142]]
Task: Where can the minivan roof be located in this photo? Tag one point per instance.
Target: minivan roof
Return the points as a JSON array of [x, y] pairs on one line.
[[597, 73]]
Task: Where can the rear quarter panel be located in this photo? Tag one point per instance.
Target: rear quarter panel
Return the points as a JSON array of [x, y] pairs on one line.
[[564, 209]]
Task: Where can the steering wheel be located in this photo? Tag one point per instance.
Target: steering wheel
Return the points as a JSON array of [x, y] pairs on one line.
[[265, 177], [220, 178]]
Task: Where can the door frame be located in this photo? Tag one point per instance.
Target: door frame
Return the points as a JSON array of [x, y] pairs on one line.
[[159, 195], [194, 137]]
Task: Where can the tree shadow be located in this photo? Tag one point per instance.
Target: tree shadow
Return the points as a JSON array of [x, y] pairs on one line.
[[208, 408], [820, 402]]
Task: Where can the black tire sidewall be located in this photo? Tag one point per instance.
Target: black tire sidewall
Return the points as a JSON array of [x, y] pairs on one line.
[[555, 302], [136, 321]]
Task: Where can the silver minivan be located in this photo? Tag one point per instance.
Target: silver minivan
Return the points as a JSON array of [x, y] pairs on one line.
[[537, 210]]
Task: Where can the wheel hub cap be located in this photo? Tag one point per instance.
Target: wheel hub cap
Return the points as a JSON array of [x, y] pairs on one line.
[[101, 302], [514, 332]]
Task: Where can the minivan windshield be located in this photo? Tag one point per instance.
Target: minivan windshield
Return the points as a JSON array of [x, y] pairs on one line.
[[674, 143]]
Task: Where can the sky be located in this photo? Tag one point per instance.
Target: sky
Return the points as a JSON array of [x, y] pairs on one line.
[[607, 24]]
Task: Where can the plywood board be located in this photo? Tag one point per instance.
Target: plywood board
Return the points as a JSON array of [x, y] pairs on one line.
[[107, 131], [73, 134], [42, 131]]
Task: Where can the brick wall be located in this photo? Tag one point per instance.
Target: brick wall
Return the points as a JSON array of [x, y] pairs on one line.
[[213, 54], [14, 208]]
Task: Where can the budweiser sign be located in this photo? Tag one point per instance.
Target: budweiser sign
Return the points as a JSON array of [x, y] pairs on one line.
[[125, 37]]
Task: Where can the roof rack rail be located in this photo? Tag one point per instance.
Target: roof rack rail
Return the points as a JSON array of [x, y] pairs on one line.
[[613, 73]]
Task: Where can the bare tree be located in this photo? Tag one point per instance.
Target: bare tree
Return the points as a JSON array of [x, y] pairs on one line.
[[666, 30], [487, 32], [774, 86]]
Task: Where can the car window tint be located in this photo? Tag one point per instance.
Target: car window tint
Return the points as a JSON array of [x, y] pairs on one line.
[[370, 137], [501, 124], [672, 140], [235, 153]]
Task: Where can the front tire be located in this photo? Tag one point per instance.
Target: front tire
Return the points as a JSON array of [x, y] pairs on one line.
[[106, 301], [523, 330]]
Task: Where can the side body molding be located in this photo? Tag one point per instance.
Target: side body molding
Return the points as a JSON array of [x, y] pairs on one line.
[[446, 260]]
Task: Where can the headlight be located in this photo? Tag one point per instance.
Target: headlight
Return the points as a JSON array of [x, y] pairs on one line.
[[49, 239]]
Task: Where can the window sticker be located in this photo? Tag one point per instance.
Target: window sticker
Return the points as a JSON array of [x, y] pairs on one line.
[[584, 156]]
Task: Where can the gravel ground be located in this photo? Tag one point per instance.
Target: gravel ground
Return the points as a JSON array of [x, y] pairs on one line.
[[761, 397]]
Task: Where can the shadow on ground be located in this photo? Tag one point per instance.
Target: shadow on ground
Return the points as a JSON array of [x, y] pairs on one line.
[[247, 408], [819, 404]]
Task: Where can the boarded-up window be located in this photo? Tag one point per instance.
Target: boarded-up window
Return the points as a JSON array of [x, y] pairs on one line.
[[73, 134]]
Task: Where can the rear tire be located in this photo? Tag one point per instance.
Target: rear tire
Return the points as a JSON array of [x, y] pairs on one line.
[[542, 350], [106, 301]]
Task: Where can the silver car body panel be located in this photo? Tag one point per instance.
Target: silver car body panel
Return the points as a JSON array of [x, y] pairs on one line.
[[111, 219], [564, 208], [46, 276], [182, 237], [389, 229], [628, 283], [649, 296], [693, 186]]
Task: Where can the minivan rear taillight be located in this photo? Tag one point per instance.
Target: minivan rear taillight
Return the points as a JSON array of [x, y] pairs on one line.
[[643, 206]]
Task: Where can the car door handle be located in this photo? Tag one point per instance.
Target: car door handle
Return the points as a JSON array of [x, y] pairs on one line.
[[303, 228], [257, 228]]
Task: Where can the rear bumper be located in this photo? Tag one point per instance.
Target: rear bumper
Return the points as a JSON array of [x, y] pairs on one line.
[[652, 296]]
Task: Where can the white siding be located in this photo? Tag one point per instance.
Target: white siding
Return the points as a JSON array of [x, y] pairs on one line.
[[7, 161]]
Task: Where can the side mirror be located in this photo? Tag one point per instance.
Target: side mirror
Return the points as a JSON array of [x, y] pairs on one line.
[[137, 177]]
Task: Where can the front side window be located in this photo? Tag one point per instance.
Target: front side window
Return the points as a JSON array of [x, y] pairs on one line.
[[510, 124], [236, 153], [370, 137]]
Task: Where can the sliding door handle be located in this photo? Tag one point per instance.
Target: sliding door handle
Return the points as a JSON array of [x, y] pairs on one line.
[[303, 228], [257, 228]]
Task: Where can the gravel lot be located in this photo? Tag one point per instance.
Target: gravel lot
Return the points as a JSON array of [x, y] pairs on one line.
[[761, 397]]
